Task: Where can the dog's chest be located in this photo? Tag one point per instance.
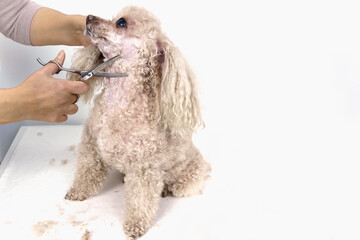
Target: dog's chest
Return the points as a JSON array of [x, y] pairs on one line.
[[126, 134], [122, 149]]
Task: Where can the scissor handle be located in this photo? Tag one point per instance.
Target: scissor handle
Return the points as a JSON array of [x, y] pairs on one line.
[[61, 68]]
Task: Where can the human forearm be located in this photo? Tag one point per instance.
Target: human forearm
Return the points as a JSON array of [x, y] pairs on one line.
[[51, 27]]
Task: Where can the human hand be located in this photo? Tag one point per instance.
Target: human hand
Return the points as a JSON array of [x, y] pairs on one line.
[[51, 27], [42, 97]]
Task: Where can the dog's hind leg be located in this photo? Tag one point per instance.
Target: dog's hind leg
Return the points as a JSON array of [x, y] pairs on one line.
[[189, 179], [90, 172]]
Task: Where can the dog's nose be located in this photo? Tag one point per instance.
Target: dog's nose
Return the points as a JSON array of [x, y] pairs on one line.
[[90, 19]]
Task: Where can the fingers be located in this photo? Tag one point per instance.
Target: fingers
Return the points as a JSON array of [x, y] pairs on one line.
[[60, 58], [60, 119], [73, 108], [76, 87], [52, 68]]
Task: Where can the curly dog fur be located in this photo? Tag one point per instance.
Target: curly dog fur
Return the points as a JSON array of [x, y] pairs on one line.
[[142, 125]]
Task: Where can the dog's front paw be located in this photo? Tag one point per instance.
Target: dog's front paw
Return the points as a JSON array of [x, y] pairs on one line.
[[74, 195], [135, 228]]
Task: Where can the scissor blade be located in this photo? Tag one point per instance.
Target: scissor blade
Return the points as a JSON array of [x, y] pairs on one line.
[[104, 64], [110, 75]]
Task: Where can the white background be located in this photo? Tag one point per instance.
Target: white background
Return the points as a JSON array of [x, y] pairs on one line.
[[280, 87]]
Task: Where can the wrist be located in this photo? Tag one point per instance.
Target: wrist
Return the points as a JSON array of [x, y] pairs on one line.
[[11, 109], [77, 24]]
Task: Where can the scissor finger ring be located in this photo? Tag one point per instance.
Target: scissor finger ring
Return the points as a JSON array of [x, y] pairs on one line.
[[77, 98]]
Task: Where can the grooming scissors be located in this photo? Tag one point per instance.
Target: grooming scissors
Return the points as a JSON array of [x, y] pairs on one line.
[[95, 72]]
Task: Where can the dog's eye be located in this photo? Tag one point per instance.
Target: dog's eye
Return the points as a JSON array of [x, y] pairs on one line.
[[121, 22]]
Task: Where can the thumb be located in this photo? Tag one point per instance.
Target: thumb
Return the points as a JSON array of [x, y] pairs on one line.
[[52, 68]]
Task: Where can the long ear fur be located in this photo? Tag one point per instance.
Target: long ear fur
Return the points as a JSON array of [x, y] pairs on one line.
[[179, 104], [85, 59]]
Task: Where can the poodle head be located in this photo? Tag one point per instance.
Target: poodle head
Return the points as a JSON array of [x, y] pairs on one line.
[[131, 27], [136, 35]]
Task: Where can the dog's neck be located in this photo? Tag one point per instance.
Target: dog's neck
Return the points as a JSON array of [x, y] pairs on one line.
[[127, 47], [120, 92]]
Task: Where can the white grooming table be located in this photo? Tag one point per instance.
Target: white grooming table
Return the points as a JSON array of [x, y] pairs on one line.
[[35, 175], [253, 194]]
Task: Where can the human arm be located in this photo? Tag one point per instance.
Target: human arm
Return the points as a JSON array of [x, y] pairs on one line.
[[29, 23]]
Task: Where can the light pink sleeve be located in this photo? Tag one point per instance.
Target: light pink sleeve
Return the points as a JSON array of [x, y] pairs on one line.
[[15, 19]]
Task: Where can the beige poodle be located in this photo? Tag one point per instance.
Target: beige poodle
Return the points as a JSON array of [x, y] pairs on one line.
[[142, 124]]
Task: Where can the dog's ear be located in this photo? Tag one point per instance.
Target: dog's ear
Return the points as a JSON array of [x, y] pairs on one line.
[[85, 59], [179, 104]]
